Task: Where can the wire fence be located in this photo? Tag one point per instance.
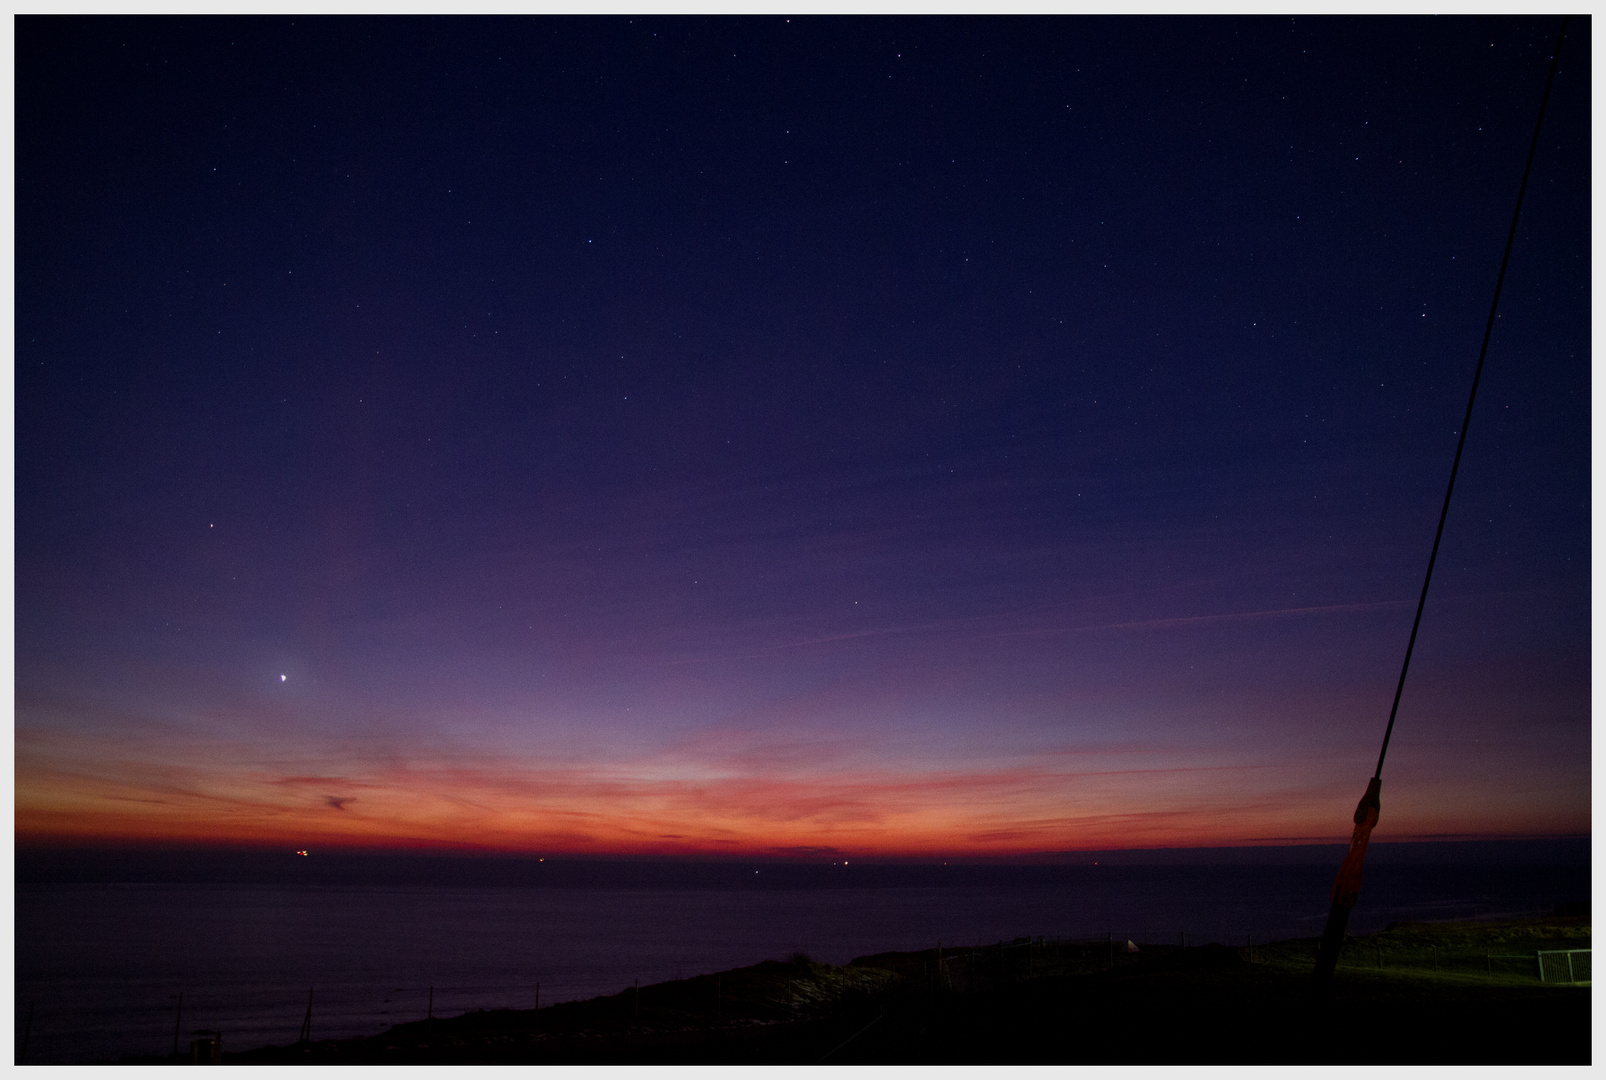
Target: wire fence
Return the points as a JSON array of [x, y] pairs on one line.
[[1563, 965], [1558, 966]]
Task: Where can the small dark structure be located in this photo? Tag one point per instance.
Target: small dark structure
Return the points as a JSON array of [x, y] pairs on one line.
[[206, 1048]]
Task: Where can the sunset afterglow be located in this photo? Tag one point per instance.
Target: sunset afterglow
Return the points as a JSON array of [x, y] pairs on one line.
[[795, 439]]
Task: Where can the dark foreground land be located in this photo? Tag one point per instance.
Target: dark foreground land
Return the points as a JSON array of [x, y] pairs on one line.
[[1442, 993]]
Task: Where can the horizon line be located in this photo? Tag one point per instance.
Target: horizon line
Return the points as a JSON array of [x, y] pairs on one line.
[[797, 857]]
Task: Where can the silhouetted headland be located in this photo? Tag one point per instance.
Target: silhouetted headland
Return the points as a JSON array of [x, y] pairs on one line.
[[1444, 993]]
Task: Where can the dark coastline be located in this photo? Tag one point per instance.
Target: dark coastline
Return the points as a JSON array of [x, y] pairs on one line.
[[1431, 997], [582, 1018]]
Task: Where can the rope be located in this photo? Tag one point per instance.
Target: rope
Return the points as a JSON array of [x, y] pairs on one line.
[[1488, 331], [1347, 886]]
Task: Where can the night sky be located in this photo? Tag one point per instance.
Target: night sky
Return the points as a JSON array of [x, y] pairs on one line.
[[856, 437]]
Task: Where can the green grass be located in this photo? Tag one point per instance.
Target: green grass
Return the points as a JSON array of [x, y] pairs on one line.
[[1498, 953]]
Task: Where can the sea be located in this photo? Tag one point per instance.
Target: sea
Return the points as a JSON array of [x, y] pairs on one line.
[[126, 957]]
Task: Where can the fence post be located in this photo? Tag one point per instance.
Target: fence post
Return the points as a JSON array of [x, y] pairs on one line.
[[1570, 967], [1539, 956]]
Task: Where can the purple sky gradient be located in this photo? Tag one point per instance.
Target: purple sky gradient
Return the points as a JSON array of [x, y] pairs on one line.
[[890, 437]]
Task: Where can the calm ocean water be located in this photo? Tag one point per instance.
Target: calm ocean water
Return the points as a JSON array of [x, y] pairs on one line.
[[101, 965]]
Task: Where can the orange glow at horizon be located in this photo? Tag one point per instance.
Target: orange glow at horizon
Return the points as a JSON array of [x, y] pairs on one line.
[[645, 808]]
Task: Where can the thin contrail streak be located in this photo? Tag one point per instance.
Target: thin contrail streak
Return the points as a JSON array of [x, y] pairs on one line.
[[1185, 619], [1135, 625]]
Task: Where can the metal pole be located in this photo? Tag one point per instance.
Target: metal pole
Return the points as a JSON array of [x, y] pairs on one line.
[[178, 1018]]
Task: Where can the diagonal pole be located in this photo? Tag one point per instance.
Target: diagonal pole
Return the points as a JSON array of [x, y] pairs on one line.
[[1347, 886]]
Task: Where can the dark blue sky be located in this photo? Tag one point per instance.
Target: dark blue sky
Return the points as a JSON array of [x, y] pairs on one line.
[[883, 435]]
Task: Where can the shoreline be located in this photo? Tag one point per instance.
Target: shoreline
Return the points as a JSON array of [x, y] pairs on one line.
[[1412, 993]]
